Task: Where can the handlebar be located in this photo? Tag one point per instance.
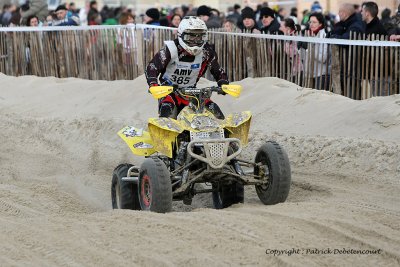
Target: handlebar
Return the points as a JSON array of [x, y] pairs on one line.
[[197, 91]]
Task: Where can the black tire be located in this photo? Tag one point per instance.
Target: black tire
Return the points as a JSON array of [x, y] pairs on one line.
[[227, 195], [155, 189], [123, 194], [272, 155]]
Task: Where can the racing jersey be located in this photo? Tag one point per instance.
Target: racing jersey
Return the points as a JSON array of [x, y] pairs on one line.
[[172, 65]]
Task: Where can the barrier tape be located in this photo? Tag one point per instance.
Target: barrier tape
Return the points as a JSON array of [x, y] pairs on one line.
[[314, 40]]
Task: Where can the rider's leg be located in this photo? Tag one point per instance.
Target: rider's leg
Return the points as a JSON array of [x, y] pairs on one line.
[[215, 109], [167, 108]]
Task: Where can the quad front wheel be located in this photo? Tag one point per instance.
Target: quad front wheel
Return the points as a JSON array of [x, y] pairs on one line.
[[155, 189], [227, 195], [276, 171]]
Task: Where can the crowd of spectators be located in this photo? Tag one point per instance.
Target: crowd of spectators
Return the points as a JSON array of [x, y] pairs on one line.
[[362, 18], [264, 19]]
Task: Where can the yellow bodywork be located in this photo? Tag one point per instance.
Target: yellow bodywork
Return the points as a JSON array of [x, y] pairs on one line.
[[160, 91], [238, 124], [138, 141], [162, 132]]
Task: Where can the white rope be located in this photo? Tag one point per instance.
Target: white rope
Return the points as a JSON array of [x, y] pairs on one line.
[[314, 40]]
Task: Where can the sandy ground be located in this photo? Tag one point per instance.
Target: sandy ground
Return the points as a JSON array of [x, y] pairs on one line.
[[59, 147]]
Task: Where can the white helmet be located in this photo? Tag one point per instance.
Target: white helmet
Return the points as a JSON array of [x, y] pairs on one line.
[[192, 34]]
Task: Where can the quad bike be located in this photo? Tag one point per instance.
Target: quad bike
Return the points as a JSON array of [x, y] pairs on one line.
[[197, 148]]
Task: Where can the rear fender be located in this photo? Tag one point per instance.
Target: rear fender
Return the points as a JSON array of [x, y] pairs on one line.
[[138, 141]]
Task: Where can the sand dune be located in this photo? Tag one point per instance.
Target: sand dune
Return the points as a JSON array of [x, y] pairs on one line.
[[59, 147]]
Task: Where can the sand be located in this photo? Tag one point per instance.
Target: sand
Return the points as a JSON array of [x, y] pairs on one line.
[[59, 147]]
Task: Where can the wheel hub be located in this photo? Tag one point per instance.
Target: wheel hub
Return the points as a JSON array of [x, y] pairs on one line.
[[146, 191]]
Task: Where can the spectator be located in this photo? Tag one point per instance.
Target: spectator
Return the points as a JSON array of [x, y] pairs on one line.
[[127, 19], [248, 23], [72, 9], [373, 26], [63, 19], [293, 15], [16, 18], [93, 16], [385, 17], [318, 55], [211, 20], [394, 23], [152, 17], [175, 20], [282, 14], [304, 21], [348, 23], [49, 19], [178, 11], [36, 7], [235, 15], [83, 13], [126, 38], [369, 13], [229, 26], [111, 17], [288, 27], [316, 7], [269, 22], [32, 21], [8, 10]]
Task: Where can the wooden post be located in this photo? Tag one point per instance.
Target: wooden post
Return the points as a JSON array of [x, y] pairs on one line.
[[335, 70]]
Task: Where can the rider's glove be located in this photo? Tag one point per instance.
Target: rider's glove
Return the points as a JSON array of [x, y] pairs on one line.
[[220, 83], [151, 85]]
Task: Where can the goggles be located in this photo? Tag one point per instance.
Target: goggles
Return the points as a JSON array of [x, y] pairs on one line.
[[193, 39]]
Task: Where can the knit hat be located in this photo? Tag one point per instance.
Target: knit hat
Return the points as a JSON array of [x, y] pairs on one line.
[[266, 12], [153, 13], [203, 11], [248, 13], [316, 7], [61, 7]]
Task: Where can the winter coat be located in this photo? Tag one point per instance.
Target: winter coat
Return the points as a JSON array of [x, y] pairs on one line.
[[342, 29], [375, 27], [273, 28], [319, 57]]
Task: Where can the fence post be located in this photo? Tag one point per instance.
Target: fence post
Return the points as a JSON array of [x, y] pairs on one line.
[[337, 89]]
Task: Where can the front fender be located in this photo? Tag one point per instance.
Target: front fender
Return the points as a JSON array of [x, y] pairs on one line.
[[238, 124], [163, 132]]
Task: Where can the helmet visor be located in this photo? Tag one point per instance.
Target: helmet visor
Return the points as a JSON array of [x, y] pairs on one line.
[[194, 39]]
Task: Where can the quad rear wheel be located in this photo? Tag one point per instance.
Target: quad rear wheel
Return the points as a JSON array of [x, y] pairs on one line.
[[155, 189], [277, 171], [124, 195]]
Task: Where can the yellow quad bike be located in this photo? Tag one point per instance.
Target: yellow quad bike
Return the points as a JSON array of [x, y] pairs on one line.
[[197, 148]]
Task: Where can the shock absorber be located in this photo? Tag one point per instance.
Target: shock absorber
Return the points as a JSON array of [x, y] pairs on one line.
[[181, 155]]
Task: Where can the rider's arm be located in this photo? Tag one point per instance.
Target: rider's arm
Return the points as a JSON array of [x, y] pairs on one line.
[[216, 70], [157, 66]]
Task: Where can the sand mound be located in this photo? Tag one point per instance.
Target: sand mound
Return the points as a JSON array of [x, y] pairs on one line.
[[59, 147]]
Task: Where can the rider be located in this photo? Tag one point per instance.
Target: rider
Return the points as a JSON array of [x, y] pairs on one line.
[[181, 63]]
